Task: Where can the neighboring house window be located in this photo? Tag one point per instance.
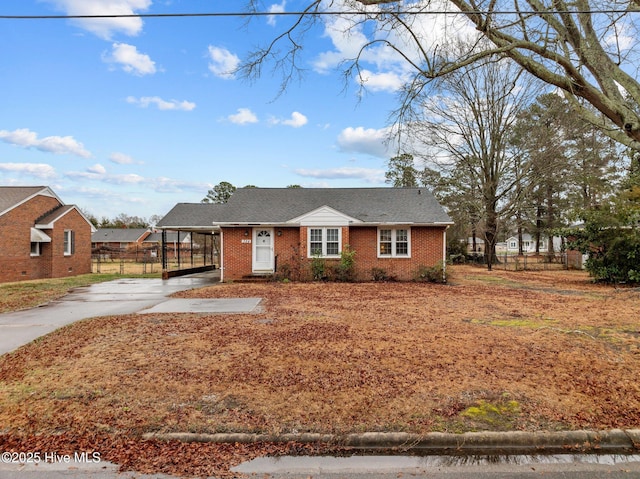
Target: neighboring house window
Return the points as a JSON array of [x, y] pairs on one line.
[[325, 242], [69, 246], [394, 243], [512, 245], [35, 248]]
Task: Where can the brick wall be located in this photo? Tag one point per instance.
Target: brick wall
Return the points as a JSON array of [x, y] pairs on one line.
[[16, 262], [236, 255], [291, 251], [80, 261]]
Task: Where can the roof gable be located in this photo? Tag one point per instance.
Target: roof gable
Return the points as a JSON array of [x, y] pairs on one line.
[[325, 216], [47, 221], [13, 196]]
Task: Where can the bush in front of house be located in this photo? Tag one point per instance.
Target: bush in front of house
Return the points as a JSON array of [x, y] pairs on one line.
[[431, 274]]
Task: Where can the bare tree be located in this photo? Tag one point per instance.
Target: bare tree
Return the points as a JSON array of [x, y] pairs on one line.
[[586, 48], [467, 127]]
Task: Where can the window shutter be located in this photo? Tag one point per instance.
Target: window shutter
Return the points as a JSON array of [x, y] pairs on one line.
[[73, 242]]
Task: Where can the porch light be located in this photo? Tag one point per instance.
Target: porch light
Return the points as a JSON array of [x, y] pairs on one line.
[[246, 232], [279, 232]]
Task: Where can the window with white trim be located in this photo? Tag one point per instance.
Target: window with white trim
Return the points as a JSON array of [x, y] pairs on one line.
[[35, 248], [69, 247], [394, 242], [325, 242]]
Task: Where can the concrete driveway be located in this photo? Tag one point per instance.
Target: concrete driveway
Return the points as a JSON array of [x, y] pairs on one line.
[[122, 296]]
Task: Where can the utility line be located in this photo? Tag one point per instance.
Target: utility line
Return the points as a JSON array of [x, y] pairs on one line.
[[307, 13]]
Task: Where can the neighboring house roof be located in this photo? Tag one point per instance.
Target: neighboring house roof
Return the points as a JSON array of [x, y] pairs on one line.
[[255, 206], [172, 236], [13, 196], [118, 235]]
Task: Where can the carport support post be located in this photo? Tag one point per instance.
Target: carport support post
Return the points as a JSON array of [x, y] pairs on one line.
[[164, 250], [178, 243]]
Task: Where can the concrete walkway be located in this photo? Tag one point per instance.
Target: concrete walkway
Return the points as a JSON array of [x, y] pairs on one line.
[[122, 296]]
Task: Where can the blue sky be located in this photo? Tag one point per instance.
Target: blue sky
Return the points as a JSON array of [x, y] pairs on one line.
[[134, 115]]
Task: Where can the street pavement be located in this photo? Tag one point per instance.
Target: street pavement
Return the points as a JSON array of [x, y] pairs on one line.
[[371, 467]]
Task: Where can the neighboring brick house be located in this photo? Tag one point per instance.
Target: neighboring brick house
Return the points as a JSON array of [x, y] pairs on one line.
[[119, 238], [41, 237], [265, 230]]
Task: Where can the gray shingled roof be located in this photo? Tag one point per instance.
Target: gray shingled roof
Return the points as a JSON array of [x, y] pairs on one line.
[[191, 215], [117, 235], [279, 205], [172, 237], [10, 196]]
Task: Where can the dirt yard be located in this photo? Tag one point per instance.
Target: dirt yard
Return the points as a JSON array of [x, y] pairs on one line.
[[488, 351]]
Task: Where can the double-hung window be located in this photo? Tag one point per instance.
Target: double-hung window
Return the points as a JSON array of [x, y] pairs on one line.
[[325, 242], [394, 243], [69, 247]]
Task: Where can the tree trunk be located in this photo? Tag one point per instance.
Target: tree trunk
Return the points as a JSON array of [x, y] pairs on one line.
[[491, 230]]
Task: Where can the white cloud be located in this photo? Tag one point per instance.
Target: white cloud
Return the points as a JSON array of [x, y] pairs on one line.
[[223, 63], [365, 140], [352, 38], [161, 104], [388, 81], [105, 27], [98, 169], [367, 174], [158, 184], [296, 121], [51, 144], [244, 116], [130, 60], [38, 170], [122, 159], [275, 8]]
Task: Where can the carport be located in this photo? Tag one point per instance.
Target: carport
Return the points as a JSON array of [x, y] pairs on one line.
[[193, 253]]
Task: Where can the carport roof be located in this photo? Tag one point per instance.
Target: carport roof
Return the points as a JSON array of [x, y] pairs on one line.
[[190, 216]]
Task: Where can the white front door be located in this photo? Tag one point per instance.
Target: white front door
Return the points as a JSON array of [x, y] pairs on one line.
[[262, 250]]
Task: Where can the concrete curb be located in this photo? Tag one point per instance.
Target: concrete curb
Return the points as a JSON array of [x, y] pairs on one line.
[[516, 442]]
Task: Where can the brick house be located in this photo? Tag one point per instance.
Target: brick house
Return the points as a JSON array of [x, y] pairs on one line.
[[41, 236], [269, 230], [119, 238]]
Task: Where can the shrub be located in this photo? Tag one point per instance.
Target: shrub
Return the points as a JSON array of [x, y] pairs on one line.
[[318, 268], [379, 274], [433, 274], [345, 270]]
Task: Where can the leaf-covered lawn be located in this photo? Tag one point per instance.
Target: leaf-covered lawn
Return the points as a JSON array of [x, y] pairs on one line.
[[488, 351]]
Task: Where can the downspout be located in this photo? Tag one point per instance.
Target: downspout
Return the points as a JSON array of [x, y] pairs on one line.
[[221, 256], [444, 254]]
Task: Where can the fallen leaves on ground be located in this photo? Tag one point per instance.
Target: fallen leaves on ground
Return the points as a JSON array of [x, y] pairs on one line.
[[491, 350]]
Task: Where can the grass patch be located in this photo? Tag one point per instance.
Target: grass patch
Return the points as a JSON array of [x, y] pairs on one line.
[[29, 294]]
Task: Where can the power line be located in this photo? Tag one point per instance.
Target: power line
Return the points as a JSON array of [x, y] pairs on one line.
[[306, 13]]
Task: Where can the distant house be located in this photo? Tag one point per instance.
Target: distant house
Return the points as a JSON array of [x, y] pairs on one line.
[[174, 241], [511, 246], [479, 248], [41, 236], [119, 238], [267, 230]]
